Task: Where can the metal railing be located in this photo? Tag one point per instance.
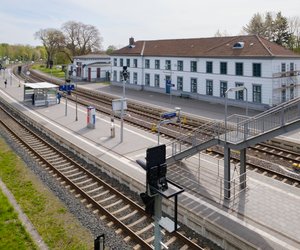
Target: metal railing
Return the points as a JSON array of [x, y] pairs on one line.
[[241, 128], [199, 136]]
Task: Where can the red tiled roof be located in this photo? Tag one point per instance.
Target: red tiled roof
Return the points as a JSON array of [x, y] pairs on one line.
[[254, 46], [92, 56]]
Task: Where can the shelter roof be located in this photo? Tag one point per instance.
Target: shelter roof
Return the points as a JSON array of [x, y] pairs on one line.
[[41, 85]]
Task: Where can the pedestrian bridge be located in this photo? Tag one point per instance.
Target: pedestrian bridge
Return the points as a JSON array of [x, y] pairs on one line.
[[238, 132]]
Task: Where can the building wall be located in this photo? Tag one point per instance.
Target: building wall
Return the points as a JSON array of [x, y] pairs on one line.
[[269, 67], [81, 66]]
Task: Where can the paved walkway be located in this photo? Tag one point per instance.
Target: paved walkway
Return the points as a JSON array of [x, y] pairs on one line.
[[267, 215]]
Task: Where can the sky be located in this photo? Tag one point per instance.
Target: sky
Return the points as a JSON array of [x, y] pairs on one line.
[[119, 20]]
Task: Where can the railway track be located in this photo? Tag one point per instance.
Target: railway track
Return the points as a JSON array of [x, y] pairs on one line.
[[147, 117], [127, 216]]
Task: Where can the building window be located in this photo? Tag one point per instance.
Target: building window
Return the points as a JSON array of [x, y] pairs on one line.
[[193, 66], [283, 95], [256, 90], [239, 69], [115, 75], [179, 83], [121, 76], [256, 69], [135, 63], [223, 88], [135, 76], [194, 85], [128, 62], [209, 67], [147, 79], [115, 61], [147, 63], [157, 64], [292, 67], [180, 65], [223, 68], [121, 62], [292, 89], [283, 67], [239, 95], [168, 64], [209, 87], [156, 80]]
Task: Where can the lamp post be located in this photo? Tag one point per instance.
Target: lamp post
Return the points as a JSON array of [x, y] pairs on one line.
[[67, 82], [71, 74], [125, 76]]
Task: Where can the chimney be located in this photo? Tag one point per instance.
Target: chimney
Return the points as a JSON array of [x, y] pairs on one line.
[[131, 41]]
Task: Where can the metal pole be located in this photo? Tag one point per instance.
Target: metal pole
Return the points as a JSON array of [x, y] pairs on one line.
[[158, 133], [76, 118], [226, 117], [246, 101], [122, 111], [157, 214], [175, 211], [66, 111]]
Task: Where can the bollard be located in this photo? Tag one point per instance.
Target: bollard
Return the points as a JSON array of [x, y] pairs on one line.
[[112, 128]]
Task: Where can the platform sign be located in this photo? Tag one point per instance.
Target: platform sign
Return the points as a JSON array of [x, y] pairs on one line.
[[117, 104], [168, 115], [67, 87]]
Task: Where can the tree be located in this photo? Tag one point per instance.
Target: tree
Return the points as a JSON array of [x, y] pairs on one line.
[[268, 26], [52, 40], [275, 30], [110, 49], [256, 25], [294, 29], [21, 52], [281, 34], [221, 34], [80, 39]]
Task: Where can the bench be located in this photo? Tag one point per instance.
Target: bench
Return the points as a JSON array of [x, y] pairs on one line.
[[183, 95]]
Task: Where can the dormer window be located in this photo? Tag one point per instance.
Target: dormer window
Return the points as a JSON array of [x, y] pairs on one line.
[[238, 45]]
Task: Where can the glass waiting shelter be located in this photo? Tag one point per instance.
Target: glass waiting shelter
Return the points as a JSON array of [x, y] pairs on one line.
[[40, 93]]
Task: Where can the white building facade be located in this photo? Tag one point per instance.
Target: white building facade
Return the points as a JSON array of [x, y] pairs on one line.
[[206, 68], [91, 68]]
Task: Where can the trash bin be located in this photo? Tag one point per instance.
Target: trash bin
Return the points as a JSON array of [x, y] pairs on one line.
[[91, 117]]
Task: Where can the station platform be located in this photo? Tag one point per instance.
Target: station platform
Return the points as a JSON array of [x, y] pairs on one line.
[[266, 215]]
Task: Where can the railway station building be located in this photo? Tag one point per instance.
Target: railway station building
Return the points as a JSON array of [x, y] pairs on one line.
[[205, 68], [91, 68]]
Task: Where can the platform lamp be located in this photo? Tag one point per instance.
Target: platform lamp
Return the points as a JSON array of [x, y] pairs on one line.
[[125, 77], [76, 117], [71, 74]]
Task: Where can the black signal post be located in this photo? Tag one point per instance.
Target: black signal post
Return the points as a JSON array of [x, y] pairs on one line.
[[157, 186]]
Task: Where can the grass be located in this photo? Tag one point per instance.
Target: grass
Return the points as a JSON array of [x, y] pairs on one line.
[[54, 71], [58, 228], [12, 233]]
